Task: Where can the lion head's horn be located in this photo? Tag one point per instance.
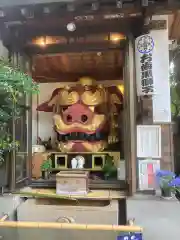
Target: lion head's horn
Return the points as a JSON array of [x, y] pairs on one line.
[[48, 106]]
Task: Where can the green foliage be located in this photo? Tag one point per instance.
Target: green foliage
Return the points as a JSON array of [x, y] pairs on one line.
[[175, 95], [175, 102], [46, 165], [14, 86], [109, 168], [175, 82]]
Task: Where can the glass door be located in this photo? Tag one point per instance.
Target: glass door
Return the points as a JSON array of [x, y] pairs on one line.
[[21, 136], [21, 129]]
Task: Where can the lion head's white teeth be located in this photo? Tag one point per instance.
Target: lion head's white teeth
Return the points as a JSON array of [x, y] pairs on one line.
[[91, 108]]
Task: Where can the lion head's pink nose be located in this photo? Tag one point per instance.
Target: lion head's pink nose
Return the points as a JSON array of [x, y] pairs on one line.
[[77, 113]]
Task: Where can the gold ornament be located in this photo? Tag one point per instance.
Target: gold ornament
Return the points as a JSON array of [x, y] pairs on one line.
[[94, 98], [87, 81], [97, 121]]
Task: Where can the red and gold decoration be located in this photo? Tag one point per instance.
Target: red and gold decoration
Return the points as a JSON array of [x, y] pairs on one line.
[[84, 115]]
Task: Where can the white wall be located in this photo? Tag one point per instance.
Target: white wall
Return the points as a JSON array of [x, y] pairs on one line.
[[3, 51], [160, 71], [42, 124], [162, 97]]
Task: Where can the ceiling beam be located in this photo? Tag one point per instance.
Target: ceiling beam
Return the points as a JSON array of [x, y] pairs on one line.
[[18, 36], [82, 29], [105, 83], [38, 8], [13, 3], [74, 47], [34, 14], [73, 77]]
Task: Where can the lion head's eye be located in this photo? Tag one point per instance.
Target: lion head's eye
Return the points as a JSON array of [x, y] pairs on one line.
[[64, 109]]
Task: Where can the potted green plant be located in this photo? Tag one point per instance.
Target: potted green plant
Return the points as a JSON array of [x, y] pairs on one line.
[[164, 178], [109, 169], [14, 86], [46, 168], [169, 183]]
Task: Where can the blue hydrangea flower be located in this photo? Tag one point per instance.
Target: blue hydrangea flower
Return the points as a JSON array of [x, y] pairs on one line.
[[164, 177], [175, 182], [164, 173]]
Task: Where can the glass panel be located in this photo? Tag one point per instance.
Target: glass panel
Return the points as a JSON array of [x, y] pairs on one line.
[[21, 170], [21, 137]]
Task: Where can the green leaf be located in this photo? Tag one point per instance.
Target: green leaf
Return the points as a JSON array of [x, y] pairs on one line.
[[14, 85]]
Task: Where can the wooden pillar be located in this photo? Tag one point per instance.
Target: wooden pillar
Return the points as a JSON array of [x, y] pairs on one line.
[[167, 160], [154, 109], [26, 66], [161, 101], [130, 118], [28, 70]]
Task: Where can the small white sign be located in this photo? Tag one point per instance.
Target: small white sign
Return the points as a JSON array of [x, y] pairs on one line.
[[149, 141], [147, 170]]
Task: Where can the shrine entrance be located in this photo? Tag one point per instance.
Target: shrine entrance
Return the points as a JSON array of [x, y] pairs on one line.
[[97, 46]]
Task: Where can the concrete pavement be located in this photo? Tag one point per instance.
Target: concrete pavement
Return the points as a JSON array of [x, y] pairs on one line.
[[159, 218]]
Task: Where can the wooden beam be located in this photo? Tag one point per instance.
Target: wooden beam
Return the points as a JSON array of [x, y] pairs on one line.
[[74, 47], [73, 77], [37, 7], [13, 3], [18, 36], [82, 29], [130, 119], [35, 14]]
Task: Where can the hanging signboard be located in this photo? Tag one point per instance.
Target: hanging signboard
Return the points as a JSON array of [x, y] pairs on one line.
[[144, 46], [152, 70]]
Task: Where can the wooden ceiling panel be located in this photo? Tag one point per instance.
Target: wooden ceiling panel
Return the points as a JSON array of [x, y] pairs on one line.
[[55, 66]]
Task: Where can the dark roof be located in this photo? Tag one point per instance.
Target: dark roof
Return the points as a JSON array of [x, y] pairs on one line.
[[11, 3]]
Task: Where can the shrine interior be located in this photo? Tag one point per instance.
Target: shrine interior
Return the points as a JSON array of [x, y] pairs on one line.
[[78, 113]]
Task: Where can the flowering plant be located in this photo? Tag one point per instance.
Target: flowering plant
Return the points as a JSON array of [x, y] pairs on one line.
[[164, 178], [168, 180], [175, 184]]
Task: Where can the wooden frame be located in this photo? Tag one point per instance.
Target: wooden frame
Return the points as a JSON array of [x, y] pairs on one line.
[[131, 13], [157, 7], [74, 47], [94, 166], [57, 166], [130, 118], [26, 33]]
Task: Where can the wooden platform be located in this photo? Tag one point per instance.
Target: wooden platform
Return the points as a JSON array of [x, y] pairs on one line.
[[51, 193], [119, 185]]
